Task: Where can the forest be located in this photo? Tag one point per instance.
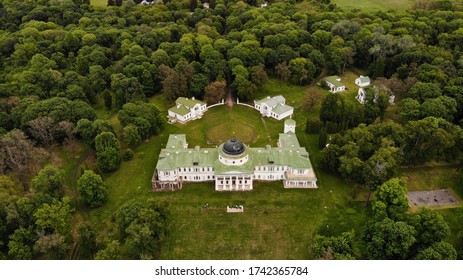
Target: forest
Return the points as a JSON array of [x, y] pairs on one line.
[[66, 65]]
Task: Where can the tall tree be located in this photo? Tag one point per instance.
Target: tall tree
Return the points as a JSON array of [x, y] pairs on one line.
[[50, 180], [91, 189], [18, 154], [393, 194], [107, 151], [389, 240], [430, 226], [126, 89], [322, 138], [215, 92], [283, 72], [42, 129], [87, 242]]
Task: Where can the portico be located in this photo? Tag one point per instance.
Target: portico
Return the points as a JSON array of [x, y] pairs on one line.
[[233, 166], [233, 182]]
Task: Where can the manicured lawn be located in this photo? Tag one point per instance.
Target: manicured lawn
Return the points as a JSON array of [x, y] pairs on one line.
[[374, 5], [277, 223], [431, 178], [220, 133], [440, 177], [294, 97]]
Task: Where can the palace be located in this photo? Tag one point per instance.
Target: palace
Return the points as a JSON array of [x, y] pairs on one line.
[[234, 166]]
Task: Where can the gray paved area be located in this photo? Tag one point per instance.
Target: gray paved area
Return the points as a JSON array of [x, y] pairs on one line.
[[432, 198]]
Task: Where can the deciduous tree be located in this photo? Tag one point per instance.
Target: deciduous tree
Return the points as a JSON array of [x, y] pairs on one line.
[[107, 151], [215, 92], [91, 189], [388, 240], [131, 136], [50, 180], [393, 194]]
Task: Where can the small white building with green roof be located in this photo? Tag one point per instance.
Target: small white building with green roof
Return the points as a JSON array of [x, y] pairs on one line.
[[186, 110], [362, 81], [334, 83], [274, 107], [234, 166]]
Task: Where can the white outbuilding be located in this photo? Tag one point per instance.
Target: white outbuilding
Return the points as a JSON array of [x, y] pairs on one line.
[[274, 107], [362, 81]]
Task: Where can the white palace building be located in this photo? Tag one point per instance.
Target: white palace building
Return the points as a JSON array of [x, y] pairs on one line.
[[234, 166]]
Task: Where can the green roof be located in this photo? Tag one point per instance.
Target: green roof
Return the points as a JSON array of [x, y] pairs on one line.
[[180, 110], [174, 158], [271, 101], [288, 140], [190, 103], [290, 122], [176, 141], [290, 154], [220, 168], [281, 108], [364, 79], [294, 157], [334, 81]]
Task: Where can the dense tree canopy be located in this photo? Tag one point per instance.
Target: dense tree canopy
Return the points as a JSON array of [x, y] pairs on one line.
[[63, 63], [49, 181], [143, 227], [145, 117]]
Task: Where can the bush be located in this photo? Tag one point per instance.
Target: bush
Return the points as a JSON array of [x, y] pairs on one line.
[[128, 155]]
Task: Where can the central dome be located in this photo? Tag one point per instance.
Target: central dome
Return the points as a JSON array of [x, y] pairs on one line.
[[233, 147]]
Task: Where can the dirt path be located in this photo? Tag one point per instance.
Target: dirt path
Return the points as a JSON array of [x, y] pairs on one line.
[[229, 98]]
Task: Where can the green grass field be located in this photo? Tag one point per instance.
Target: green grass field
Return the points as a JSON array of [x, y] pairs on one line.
[[371, 5], [277, 223]]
